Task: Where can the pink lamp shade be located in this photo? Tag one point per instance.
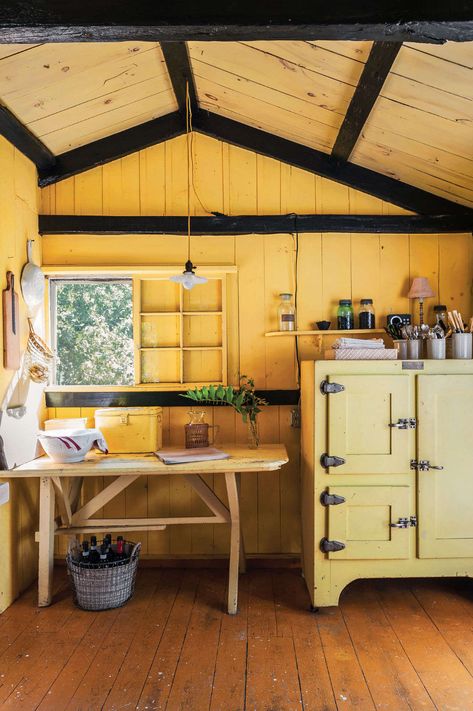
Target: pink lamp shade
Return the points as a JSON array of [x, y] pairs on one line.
[[420, 289]]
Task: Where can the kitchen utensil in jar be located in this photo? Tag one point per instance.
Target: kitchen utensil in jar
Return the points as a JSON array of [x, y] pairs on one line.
[[401, 346], [414, 348], [436, 348], [462, 345]]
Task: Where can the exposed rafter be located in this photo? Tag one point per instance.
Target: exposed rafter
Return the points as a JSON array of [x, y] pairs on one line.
[[375, 72], [179, 69], [253, 224], [86, 20], [112, 147], [21, 137], [355, 176]]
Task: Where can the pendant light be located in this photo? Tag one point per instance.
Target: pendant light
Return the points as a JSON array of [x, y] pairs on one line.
[[188, 278]]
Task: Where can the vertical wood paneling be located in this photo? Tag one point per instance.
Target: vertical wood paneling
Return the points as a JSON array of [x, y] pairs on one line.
[[331, 266], [424, 261], [336, 272]]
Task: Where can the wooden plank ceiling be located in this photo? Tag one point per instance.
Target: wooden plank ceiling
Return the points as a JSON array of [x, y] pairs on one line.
[[72, 94], [419, 130]]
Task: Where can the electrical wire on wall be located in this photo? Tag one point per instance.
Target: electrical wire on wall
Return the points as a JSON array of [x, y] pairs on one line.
[[295, 236]]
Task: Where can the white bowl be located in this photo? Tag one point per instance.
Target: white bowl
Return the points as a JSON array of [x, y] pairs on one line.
[[68, 445]]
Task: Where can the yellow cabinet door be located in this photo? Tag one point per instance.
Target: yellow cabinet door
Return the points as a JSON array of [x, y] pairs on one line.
[[363, 522], [359, 420], [445, 414]]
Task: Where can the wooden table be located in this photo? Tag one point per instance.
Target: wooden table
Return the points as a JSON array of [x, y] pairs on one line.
[[62, 484]]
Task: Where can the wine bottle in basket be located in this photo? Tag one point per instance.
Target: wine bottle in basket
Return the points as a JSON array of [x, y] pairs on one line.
[[103, 555], [85, 554], [94, 556], [111, 556], [121, 555]]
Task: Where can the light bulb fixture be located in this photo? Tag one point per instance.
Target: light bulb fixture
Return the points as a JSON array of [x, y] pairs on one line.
[[188, 278]]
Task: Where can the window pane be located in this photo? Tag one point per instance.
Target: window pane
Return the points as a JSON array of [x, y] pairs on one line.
[[94, 333]]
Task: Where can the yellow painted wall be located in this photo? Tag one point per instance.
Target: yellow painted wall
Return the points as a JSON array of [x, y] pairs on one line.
[[331, 266], [18, 519]]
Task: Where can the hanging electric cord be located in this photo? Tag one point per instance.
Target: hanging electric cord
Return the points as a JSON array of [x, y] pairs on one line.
[[188, 278]]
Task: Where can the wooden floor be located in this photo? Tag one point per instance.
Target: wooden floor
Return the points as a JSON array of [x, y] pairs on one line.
[[391, 645]]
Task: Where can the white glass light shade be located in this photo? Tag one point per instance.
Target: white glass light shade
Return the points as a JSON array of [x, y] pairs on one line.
[[188, 278]]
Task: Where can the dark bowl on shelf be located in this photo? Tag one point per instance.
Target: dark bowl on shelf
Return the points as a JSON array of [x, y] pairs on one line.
[[323, 325]]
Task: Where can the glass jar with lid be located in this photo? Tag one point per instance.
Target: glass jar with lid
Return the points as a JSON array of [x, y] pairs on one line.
[[287, 313], [345, 317], [366, 315]]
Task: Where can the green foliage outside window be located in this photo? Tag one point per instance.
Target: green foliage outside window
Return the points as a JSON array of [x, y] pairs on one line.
[[94, 333]]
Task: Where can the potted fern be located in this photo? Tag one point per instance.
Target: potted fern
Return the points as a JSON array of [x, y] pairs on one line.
[[243, 399]]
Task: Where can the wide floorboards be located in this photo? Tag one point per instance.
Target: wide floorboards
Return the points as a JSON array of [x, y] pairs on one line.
[[391, 645]]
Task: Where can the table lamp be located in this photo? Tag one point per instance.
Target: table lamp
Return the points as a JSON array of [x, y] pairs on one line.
[[420, 289]]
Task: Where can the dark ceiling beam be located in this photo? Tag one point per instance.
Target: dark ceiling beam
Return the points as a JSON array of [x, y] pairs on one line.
[[112, 147], [373, 76], [253, 224], [26, 142], [102, 21], [179, 68], [325, 165]]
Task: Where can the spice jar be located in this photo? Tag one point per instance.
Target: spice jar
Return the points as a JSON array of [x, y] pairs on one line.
[[345, 317], [287, 313], [366, 316]]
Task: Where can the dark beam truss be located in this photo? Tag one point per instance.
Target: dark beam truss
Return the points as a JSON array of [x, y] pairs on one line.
[[314, 161], [254, 224], [21, 137], [375, 72], [179, 68], [112, 147]]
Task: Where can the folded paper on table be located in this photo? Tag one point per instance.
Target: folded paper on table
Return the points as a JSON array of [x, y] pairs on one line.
[[185, 456]]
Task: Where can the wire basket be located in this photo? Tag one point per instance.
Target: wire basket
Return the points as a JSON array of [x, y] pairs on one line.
[[103, 586]]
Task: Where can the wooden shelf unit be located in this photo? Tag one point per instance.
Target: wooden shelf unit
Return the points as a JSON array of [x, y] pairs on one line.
[[329, 332], [179, 335]]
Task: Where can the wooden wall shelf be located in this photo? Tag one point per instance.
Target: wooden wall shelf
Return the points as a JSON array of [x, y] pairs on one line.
[[329, 332]]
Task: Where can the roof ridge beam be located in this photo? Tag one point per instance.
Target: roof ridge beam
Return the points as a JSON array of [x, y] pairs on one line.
[[323, 164], [375, 72]]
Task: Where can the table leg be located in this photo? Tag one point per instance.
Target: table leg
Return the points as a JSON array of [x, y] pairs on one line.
[[242, 542], [234, 506], [46, 541]]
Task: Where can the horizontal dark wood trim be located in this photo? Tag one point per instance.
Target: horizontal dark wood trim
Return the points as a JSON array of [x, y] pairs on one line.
[[26, 142], [148, 398], [373, 76], [253, 224], [112, 147], [355, 176], [178, 64], [96, 20]]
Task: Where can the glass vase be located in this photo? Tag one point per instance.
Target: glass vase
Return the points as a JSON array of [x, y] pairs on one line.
[[253, 434]]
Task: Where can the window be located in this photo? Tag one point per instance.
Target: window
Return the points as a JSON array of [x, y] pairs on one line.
[[92, 331]]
